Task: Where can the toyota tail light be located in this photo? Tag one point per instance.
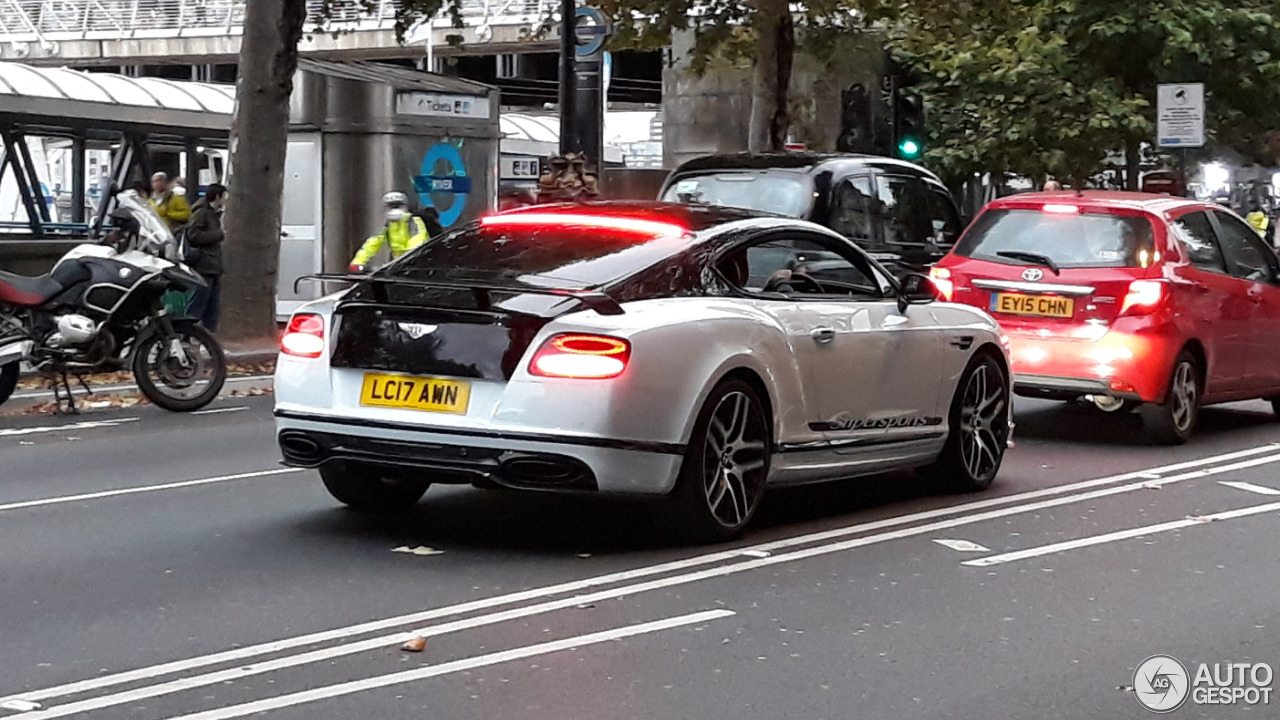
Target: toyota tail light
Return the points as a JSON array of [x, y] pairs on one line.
[[942, 282], [583, 357], [304, 337], [1144, 297]]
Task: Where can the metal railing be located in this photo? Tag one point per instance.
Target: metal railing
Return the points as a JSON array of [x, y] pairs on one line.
[[43, 20]]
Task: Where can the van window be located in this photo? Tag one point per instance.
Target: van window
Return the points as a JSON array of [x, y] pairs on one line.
[[904, 210], [780, 193], [851, 208]]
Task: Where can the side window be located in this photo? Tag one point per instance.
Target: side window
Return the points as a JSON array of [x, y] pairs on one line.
[[1196, 235], [800, 267], [904, 208], [851, 208], [1248, 257], [943, 210]]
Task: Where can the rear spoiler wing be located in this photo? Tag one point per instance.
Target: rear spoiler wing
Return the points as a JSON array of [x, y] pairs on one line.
[[595, 300]]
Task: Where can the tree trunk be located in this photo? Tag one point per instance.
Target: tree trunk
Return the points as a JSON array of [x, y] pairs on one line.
[[259, 139], [1132, 161], [776, 45]]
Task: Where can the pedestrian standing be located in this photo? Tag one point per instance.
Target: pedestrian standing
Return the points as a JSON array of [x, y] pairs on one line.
[[204, 239], [172, 207]]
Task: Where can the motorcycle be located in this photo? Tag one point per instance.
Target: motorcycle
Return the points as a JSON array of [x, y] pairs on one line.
[[101, 309]]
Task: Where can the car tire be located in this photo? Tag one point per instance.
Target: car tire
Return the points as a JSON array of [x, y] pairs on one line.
[[1173, 421], [8, 380], [369, 490], [979, 428], [726, 465]]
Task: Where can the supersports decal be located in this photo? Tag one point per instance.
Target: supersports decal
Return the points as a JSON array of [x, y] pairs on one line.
[[847, 424]]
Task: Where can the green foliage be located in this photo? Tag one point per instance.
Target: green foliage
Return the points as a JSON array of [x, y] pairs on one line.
[[1038, 87]]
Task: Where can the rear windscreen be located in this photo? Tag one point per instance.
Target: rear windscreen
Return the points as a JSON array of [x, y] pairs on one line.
[[772, 192], [1068, 239], [552, 255]]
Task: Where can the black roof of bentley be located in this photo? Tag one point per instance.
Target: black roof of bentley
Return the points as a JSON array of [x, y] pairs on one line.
[[693, 217]]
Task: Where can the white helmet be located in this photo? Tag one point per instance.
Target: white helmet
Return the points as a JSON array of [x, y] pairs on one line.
[[395, 199]]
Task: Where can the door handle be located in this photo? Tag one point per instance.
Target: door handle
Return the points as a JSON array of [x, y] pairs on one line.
[[823, 335]]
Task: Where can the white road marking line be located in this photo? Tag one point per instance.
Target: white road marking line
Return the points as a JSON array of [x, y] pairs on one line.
[[1120, 535], [127, 387], [250, 651], [142, 489], [85, 425], [19, 706], [337, 651], [962, 546], [408, 676], [217, 411], [1250, 487]]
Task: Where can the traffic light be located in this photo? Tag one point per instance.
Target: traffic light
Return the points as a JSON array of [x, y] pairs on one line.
[[855, 120], [908, 124]]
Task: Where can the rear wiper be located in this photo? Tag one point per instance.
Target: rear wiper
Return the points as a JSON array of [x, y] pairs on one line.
[[1033, 258]]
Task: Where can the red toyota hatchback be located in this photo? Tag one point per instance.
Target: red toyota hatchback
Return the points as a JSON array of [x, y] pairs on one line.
[[1127, 300]]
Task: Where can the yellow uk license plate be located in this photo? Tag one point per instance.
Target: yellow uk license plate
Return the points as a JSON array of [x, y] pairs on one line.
[[415, 393], [1038, 305]]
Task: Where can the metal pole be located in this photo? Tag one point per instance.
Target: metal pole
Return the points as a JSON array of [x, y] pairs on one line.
[[568, 85], [77, 178]]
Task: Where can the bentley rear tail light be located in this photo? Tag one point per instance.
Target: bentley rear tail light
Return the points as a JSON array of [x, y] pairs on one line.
[[304, 337], [941, 278], [584, 357], [1144, 297]]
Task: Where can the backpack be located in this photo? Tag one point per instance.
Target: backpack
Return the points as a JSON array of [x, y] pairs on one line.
[[430, 218], [188, 254]]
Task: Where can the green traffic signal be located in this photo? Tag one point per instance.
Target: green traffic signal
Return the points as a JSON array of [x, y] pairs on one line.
[[909, 148]]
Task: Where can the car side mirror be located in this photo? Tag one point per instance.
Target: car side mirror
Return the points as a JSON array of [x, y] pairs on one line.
[[916, 289]]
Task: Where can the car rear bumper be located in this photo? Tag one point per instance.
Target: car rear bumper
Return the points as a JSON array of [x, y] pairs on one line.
[[1131, 367], [1048, 386], [525, 462]]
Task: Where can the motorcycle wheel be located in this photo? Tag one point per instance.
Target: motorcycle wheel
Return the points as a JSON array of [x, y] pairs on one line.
[[8, 380], [180, 384]]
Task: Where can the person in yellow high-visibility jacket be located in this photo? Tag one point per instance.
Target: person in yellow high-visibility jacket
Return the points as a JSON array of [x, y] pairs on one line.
[[404, 231]]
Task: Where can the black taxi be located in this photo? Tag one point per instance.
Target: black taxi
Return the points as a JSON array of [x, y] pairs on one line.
[[899, 212]]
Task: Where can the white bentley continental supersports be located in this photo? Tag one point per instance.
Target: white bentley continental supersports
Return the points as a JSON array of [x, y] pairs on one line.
[[698, 353]]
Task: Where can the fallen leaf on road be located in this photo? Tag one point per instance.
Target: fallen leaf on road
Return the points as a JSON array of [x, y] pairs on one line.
[[256, 391], [584, 555], [420, 550], [417, 644], [1200, 519], [20, 705]]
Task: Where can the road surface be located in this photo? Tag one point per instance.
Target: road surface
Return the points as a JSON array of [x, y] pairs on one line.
[[162, 566]]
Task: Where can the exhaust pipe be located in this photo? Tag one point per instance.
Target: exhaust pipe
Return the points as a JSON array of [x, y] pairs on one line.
[[297, 447], [541, 472]]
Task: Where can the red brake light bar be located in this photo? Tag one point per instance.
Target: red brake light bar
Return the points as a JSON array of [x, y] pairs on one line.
[[603, 222]]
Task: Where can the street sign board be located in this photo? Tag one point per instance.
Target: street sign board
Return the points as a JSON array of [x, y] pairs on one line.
[[1180, 115]]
